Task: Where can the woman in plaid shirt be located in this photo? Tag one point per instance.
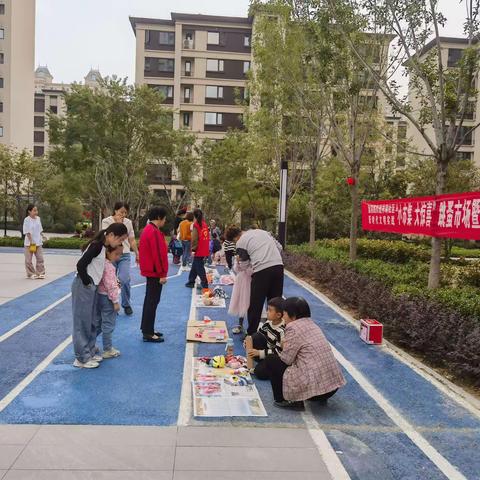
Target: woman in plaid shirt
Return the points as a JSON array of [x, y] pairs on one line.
[[305, 369]]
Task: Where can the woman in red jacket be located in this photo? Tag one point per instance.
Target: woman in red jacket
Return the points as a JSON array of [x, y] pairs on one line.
[[201, 249], [154, 266]]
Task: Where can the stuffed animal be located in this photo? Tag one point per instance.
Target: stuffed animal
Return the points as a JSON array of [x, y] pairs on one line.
[[217, 361]]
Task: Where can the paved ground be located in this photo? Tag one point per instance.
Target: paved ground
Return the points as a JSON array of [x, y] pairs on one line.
[[391, 421]]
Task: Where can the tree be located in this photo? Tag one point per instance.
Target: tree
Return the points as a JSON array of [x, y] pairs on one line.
[[110, 137], [443, 93]]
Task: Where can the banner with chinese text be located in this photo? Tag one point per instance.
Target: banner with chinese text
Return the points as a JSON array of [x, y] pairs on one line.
[[455, 215]]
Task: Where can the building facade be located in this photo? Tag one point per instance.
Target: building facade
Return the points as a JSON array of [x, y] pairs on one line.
[[50, 100], [200, 63], [17, 64], [451, 54]]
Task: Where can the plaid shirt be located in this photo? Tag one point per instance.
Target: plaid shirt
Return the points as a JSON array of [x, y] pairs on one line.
[[312, 369]]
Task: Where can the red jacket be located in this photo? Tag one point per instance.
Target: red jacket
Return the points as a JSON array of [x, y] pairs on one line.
[[203, 246], [153, 253]]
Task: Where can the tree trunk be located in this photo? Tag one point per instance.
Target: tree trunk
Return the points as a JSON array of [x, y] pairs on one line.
[[436, 257], [354, 220], [313, 213]]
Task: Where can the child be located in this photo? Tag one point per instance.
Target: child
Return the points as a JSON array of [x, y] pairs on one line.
[[108, 304], [240, 301], [269, 337], [84, 293], [230, 251], [176, 248], [219, 257]]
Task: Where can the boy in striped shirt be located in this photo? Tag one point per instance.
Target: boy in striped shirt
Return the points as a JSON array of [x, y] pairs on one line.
[[268, 339]]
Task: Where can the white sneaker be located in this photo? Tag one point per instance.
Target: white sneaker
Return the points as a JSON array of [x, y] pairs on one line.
[[32, 277], [41, 276], [89, 364], [112, 353], [97, 358]]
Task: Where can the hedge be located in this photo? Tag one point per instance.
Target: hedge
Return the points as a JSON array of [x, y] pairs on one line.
[[442, 335], [73, 243]]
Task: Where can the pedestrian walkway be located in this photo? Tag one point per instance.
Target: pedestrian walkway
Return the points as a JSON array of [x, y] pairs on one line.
[[391, 421]]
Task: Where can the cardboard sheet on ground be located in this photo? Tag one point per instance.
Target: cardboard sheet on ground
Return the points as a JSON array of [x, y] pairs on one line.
[[219, 303], [212, 332], [213, 397]]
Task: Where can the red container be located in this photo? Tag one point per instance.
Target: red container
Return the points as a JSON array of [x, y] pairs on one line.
[[371, 331]]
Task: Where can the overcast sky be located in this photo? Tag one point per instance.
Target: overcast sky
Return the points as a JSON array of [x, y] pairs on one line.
[[73, 36]]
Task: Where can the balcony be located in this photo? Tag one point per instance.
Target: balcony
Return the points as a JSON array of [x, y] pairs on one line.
[[188, 44]]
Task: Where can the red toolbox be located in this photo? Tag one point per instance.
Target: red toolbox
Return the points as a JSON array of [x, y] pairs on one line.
[[371, 331]]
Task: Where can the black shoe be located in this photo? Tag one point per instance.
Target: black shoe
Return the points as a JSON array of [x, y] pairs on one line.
[[190, 285], [159, 334], [152, 339], [128, 311], [289, 404]]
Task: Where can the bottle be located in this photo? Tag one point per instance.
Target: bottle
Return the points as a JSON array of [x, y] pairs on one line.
[[229, 348]]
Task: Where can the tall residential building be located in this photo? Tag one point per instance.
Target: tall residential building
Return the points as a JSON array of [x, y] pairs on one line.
[[451, 48], [50, 100], [200, 63], [17, 64]]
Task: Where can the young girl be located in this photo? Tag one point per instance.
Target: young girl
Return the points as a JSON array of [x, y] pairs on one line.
[[200, 247], [32, 229], [84, 293], [240, 301], [176, 248], [108, 304]]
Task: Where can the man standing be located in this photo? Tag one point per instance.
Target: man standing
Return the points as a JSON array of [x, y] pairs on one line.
[[260, 248]]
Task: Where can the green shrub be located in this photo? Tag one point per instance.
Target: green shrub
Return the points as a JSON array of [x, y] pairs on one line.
[[11, 242], [465, 252], [73, 243]]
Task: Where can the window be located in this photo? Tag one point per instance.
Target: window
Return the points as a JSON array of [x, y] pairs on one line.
[[2, 58], [188, 67], [166, 38], [39, 137], [187, 93], [465, 136], [166, 90], [186, 119], [39, 105], [147, 36], [246, 67], [213, 118], [166, 64], [38, 151], [463, 156], [1, 131], [214, 92], [148, 65], [2, 9], [1, 82], [454, 56], [1, 107], [247, 41], [2, 33], [39, 122], [215, 65], [53, 109], [213, 38]]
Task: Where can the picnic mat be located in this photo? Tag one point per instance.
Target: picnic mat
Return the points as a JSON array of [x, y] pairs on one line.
[[214, 397]]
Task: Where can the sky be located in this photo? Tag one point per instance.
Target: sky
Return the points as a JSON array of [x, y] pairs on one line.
[[73, 36]]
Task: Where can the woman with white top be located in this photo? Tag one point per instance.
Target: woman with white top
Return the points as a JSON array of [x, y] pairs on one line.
[[32, 229], [120, 212]]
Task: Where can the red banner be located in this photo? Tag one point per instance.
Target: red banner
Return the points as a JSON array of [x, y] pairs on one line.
[[455, 215]]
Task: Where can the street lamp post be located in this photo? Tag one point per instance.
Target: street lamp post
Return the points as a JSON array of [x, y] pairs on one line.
[[282, 204]]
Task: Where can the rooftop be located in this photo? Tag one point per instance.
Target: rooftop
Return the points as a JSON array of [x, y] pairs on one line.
[[455, 40]]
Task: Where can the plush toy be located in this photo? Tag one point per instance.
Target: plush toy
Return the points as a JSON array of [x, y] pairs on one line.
[[237, 381], [217, 361]]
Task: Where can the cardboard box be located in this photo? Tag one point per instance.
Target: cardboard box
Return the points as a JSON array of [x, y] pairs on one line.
[[371, 331], [213, 332]]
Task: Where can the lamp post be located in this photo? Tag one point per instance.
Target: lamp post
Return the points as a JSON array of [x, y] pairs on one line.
[[282, 204]]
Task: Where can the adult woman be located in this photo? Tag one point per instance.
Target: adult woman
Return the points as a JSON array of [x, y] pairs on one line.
[[32, 229], [305, 369], [120, 212], [260, 248], [153, 266], [185, 235], [201, 249]]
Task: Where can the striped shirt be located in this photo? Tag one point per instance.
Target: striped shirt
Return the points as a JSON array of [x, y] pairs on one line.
[[274, 335], [229, 246]]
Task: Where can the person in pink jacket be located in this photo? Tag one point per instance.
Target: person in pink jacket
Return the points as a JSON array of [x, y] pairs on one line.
[[306, 368], [108, 301]]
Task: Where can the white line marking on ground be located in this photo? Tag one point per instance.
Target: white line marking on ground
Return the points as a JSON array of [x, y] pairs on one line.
[[179, 272], [7, 399], [22, 325], [325, 449], [456, 393], [185, 409]]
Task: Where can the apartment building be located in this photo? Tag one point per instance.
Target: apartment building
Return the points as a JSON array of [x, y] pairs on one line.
[[200, 64], [50, 100], [452, 48], [17, 64]]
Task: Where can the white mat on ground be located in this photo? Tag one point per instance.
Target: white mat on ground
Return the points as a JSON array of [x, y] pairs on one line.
[[219, 302], [213, 397]]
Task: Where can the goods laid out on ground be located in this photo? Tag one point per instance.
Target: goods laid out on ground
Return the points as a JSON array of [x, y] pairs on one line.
[[207, 331], [222, 387]]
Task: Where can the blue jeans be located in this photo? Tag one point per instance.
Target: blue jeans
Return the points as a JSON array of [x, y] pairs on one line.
[[123, 272], [198, 269], [187, 256], [105, 322]]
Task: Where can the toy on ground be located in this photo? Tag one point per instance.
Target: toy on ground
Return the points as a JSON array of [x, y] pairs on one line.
[[219, 292], [237, 381], [217, 362]]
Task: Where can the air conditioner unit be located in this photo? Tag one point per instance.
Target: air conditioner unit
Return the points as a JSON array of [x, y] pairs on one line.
[[188, 44]]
